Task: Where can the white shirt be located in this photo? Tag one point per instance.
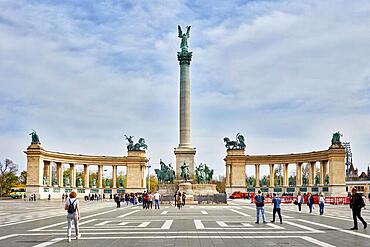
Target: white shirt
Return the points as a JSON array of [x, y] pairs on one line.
[[73, 201], [321, 199], [157, 196]]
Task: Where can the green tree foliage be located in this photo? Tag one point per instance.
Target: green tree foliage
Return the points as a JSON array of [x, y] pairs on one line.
[[220, 184], [8, 178]]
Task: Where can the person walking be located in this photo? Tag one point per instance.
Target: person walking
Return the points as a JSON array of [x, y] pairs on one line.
[[179, 200], [175, 196], [157, 197], [260, 203], [356, 203], [276, 201], [321, 203], [183, 197], [117, 199], [150, 200], [73, 214], [310, 201], [299, 201]]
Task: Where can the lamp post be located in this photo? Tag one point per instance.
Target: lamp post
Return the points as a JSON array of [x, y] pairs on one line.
[[148, 167]]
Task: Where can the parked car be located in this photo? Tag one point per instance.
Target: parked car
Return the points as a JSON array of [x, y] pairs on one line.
[[238, 194]]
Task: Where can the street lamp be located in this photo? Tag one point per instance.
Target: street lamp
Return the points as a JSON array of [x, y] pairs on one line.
[[148, 166]]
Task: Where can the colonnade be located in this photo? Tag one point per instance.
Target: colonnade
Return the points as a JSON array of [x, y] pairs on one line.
[[331, 162], [39, 171]]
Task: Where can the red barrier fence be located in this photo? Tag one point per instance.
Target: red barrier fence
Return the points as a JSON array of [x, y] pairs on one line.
[[335, 200]]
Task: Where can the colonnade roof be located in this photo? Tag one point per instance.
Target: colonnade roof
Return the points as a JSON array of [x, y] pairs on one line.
[[292, 158], [83, 159]]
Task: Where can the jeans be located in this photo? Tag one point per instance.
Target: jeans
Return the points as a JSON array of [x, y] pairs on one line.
[[356, 213], [310, 206], [72, 217], [299, 207], [262, 209], [156, 204], [278, 211], [321, 206]]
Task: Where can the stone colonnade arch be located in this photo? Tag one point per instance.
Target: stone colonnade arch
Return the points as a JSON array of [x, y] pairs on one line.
[[39, 162], [331, 161]]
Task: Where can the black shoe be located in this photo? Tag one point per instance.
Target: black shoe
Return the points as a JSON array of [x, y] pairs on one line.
[[256, 222], [281, 222], [272, 221], [354, 228], [365, 225]]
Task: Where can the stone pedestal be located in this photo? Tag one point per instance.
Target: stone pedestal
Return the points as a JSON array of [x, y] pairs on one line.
[[235, 171], [136, 167], [188, 189], [185, 155]]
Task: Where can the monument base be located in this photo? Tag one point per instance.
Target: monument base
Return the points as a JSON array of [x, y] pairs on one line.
[[185, 155]]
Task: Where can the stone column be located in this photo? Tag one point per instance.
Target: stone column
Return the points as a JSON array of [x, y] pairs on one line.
[[86, 176], [114, 179], [299, 174], [184, 152], [72, 168], [257, 173], [286, 174], [322, 172], [272, 177], [227, 175], [100, 176], [60, 174], [47, 172]]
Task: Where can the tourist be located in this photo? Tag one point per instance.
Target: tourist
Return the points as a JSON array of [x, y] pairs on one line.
[[117, 200], [179, 200], [321, 203], [143, 198], [356, 203], [276, 201], [310, 201], [150, 200], [175, 196], [146, 200], [299, 201], [73, 214], [260, 203], [157, 197], [183, 197], [63, 197]]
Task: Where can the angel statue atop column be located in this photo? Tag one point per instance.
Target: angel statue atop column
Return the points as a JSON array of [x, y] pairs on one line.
[[184, 38]]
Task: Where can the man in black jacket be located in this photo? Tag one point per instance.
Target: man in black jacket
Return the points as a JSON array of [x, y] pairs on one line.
[[356, 203]]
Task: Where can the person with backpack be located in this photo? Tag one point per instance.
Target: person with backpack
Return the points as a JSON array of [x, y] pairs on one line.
[[356, 203], [260, 203], [276, 201], [73, 214]]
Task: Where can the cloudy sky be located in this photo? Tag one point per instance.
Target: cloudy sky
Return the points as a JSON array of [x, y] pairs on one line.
[[286, 74]]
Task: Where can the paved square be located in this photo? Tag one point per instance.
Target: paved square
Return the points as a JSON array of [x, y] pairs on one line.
[[43, 224]]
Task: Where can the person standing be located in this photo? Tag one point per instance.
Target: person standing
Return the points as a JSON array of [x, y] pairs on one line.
[[321, 203], [157, 197], [73, 214], [117, 199], [151, 200], [179, 200], [276, 201], [310, 201], [356, 203], [175, 196], [260, 203], [299, 201], [183, 197]]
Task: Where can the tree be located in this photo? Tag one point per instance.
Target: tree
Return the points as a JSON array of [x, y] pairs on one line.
[[8, 176], [153, 183], [22, 179], [220, 184]]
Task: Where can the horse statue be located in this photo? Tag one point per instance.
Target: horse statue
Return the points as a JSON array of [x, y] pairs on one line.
[[185, 172], [130, 144], [238, 144], [34, 137], [166, 174], [335, 140], [140, 145]]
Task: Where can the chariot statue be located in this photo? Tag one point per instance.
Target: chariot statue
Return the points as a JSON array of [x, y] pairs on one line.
[[335, 140], [166, 174], [34, 137], [238, 144], [203, 174], [139, 146], [185, 172]]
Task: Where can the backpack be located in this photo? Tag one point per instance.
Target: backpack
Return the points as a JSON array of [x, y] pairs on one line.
[[259, 201], [362, 202], [71, 208]]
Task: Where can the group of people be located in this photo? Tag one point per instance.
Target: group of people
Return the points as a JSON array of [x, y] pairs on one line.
[[356, 204], [180, 199], [148, 198]]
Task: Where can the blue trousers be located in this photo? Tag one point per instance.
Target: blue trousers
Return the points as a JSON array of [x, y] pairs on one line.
[[321, 206], [262, 209]]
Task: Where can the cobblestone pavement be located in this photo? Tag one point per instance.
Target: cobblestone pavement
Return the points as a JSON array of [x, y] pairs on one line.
[[43, 224]]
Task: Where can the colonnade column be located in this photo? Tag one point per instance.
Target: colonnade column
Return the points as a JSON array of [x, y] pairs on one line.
[[285, 174], [227, 175], [100, 176], [272, 175], [323, 171], [299, 174], [114, 179], [60, 174], [311, 175], [257, 173], [72, 170], [47, 172], [86, 176]]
